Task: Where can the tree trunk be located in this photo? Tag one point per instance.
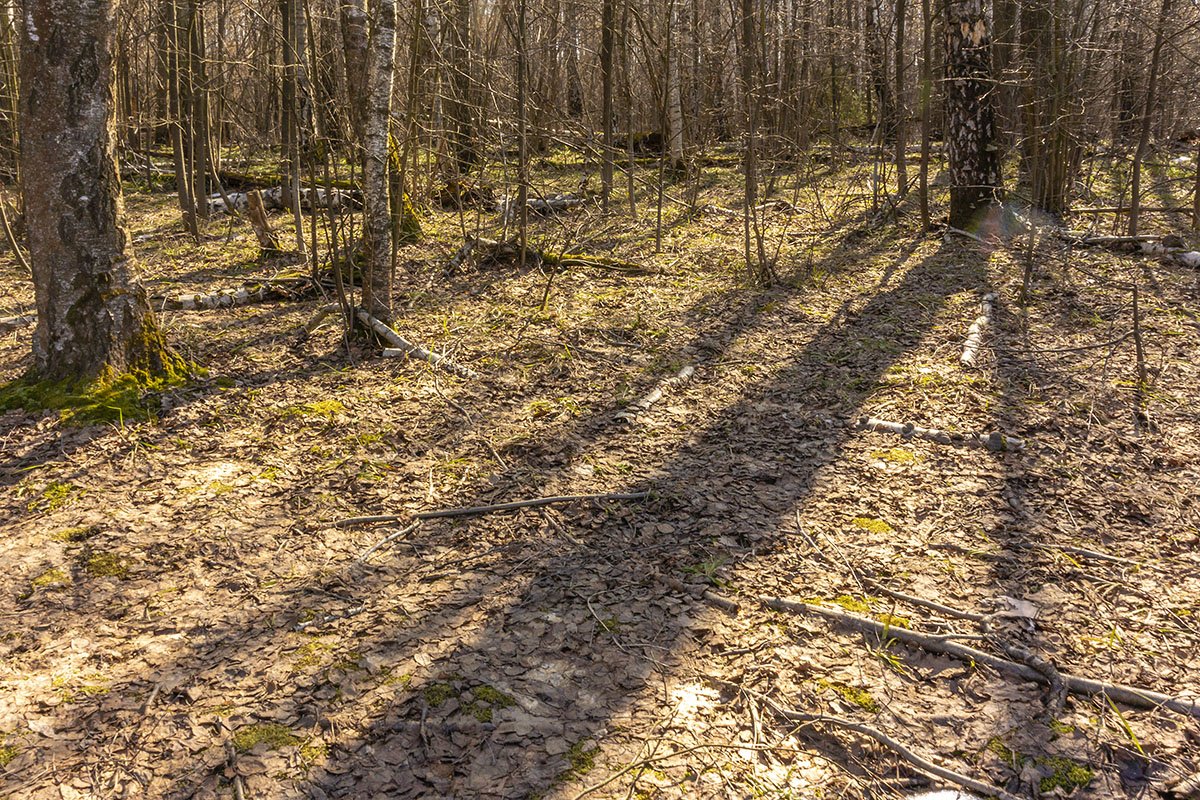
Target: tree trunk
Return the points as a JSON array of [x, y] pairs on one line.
[[92, 315], [974, 164], [1135, 193], [674, 89], [606, 102], [460, 111], [377, 225]]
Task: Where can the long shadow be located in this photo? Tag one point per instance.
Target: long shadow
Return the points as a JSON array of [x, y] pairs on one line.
[[625, 555], [754, 462]]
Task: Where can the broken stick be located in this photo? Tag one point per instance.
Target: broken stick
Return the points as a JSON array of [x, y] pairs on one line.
[[975, 332], [403, 347], [996, 441], [646, 401]]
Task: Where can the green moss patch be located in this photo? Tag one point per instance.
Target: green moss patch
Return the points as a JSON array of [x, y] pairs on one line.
[[1059, 772], [872, 524], [273, 735], [895, 455], [485, 699], [105, 565], [77, 534], [7, 751], [50, 579], [109, 397], [851, 694]]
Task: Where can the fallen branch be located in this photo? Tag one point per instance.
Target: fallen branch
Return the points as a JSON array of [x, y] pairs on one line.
[[403, 347], [473, 511], [322, 312], [921, 763], [542, 206], [12, 323], [1126, 695], [995, 441], [975, 332], [643, 404]]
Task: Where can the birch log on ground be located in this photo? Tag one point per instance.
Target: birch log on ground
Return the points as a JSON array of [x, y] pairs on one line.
[[402, 347], [971, 347], [995, 441], [643, 403]]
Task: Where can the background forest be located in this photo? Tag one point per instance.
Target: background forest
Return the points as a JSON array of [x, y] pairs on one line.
[[598, 398]]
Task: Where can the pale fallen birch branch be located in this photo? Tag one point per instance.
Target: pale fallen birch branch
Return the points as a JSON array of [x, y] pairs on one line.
[[992, 441]]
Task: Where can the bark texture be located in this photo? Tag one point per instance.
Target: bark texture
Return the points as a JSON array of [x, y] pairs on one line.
[[377, 221], [971, 129], [92, 314]]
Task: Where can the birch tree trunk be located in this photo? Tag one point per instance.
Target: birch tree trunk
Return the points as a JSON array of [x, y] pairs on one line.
[[974, 164], [674, 90], [377, 225], [92, 315]]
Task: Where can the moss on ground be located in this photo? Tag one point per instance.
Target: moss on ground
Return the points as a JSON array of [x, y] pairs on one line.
[[1058, 772], [851, 694], [105, 565], [872, 524], [50, 579], [109, 397], [271, 734], [77, 534]]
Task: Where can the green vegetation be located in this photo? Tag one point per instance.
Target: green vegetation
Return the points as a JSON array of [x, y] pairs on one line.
[[485, 699], [895, 455], [437, 693], [851, 694], [271, 734], [7, 751], [1063, 773], [50, 579], [872, 524], [75, 535], [105, 565], [109, 397], [321, 409]]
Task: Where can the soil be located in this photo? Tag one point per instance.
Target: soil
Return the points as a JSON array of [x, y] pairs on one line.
[[182, 616]]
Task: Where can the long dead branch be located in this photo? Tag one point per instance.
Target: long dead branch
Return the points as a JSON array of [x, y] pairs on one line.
[[1126, 695], [472, 511], [12, 323]]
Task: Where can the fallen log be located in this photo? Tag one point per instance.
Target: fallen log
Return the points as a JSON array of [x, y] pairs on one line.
[[975, 333], [488, 250], [254, 292], [509, 207], [402, 347], [272, 199], [643, 403], [996, 441], [941, 645]]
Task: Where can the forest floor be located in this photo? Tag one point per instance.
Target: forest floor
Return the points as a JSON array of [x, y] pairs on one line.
[[181, 616]]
